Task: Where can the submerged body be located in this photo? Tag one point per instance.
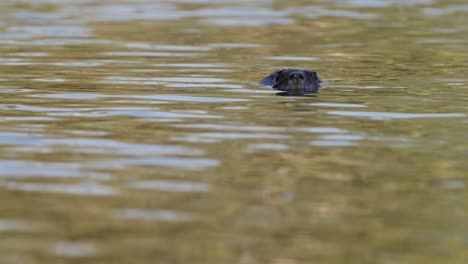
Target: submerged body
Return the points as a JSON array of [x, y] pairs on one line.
[[293, 81]]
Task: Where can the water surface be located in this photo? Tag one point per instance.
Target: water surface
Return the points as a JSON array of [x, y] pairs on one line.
[[135, 132]]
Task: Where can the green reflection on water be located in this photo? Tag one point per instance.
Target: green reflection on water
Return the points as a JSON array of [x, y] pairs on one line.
[[95, 104]]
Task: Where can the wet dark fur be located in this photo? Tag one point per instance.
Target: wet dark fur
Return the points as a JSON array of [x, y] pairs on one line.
[[293, 81]]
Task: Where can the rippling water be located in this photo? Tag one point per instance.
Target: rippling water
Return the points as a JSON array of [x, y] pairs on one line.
[[135, 132]]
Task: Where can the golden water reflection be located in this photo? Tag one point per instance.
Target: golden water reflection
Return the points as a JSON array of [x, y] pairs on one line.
[[135, 132]]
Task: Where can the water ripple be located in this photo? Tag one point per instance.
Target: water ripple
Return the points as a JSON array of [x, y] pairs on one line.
[[188, 98], [204, 85], [343, 137], [166, 47], [148, 54], [76, 96], [13, 225], [390, 115], [87, 189], [30, 54], [95, 145], [56, 42], [190, 65], [241, 127], [236, 22], [125, 12], [154, 215], [26, 169], [167, 79], [178, 163], [157, 114], [338, 105], [236, 45], [171, 186], [288, 58], [268, 146], [51, 31], [52, 80], [202, 136], [71, 249], [334, 143]]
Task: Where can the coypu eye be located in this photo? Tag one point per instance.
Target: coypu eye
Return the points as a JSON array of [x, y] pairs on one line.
[[301, 76]]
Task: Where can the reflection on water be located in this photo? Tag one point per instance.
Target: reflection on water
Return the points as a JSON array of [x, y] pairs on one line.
[[175, 186], [153, 215], [268, 146], [147, 54], [389, 115], [284, 58], [338, 105], [73, 250], [135, 132], [76, 189], [12, 225]]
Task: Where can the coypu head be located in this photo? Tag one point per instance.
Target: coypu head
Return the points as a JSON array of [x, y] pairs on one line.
[[293, 81]]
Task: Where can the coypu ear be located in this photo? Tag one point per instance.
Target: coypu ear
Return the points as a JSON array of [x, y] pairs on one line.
[[281, 81], [281, 76], [313, 81], [312, 76], [270, 80], [315, 76]]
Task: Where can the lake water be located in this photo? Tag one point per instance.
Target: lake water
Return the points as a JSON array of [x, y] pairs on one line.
[[134, 131]]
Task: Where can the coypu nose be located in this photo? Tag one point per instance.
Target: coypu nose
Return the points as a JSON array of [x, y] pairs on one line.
[[296, 76], [295, 85]]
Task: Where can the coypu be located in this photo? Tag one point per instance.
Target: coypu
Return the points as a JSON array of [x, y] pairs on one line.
[[293, 82]]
